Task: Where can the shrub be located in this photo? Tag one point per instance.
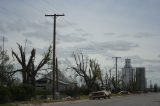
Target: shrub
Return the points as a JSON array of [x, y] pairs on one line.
[[4, 94], [42, 94], [22, 92], [69, 91], [75, 91], [83, 91]]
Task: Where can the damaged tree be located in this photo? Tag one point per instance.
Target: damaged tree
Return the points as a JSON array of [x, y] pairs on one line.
[[88, 69], [29, 70], [6, 69]]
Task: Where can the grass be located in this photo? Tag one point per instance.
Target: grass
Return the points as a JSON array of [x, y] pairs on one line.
[[84, 97], [41, 101], [7, 104], [115, 94]]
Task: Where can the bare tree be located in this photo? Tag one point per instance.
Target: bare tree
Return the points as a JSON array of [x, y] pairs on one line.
[[88, 69], [29, 70], [6, 69]]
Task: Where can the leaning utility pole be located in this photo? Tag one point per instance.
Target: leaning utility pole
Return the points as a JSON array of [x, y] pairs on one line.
[[54, 16], [116, 58]]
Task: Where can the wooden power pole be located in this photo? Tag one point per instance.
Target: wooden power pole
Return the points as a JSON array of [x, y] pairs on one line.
[[116, 58], [2, 52], [57, 74], [54, 16]]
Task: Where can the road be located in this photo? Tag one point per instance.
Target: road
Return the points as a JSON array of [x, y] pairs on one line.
[[149, 99]]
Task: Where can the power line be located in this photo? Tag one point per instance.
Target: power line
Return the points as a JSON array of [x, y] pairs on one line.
[[67, 20]]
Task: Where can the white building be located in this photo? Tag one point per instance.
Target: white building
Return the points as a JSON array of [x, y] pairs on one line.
[[133, 78], [128, 73]]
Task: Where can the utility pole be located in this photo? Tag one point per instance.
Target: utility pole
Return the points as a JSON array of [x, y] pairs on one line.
[[2, 50], [3, 44], [1, 83], [110, 74], [57, 86], [54, 16], [116, 58], [151, 87]]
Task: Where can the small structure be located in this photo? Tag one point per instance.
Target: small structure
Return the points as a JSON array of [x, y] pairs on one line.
[[45, 82]]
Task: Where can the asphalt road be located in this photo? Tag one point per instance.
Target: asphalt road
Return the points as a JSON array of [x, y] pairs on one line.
[[149, 99]]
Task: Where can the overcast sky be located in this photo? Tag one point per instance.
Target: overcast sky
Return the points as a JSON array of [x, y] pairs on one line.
[[100, 28]]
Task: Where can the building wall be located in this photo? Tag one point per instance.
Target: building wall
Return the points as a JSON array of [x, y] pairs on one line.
[[127, 75], [140, 79], [134, 78], [127, 63], [47, 85]]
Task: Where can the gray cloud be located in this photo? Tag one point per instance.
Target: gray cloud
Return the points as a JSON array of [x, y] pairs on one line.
[[41, 51], [120, 45], [86, 34], [47, 35], [63, 52], [64, 23], [159, 56], [105, 46], [138, 35], [73, 37], [17, 25], [153, 68], [124, 35], [82, 32], [40, 31], [151, 61], [138, 60], [79, 30], [20, 25], [43, 30], [39, 34], [109, 34], [143, 35]]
